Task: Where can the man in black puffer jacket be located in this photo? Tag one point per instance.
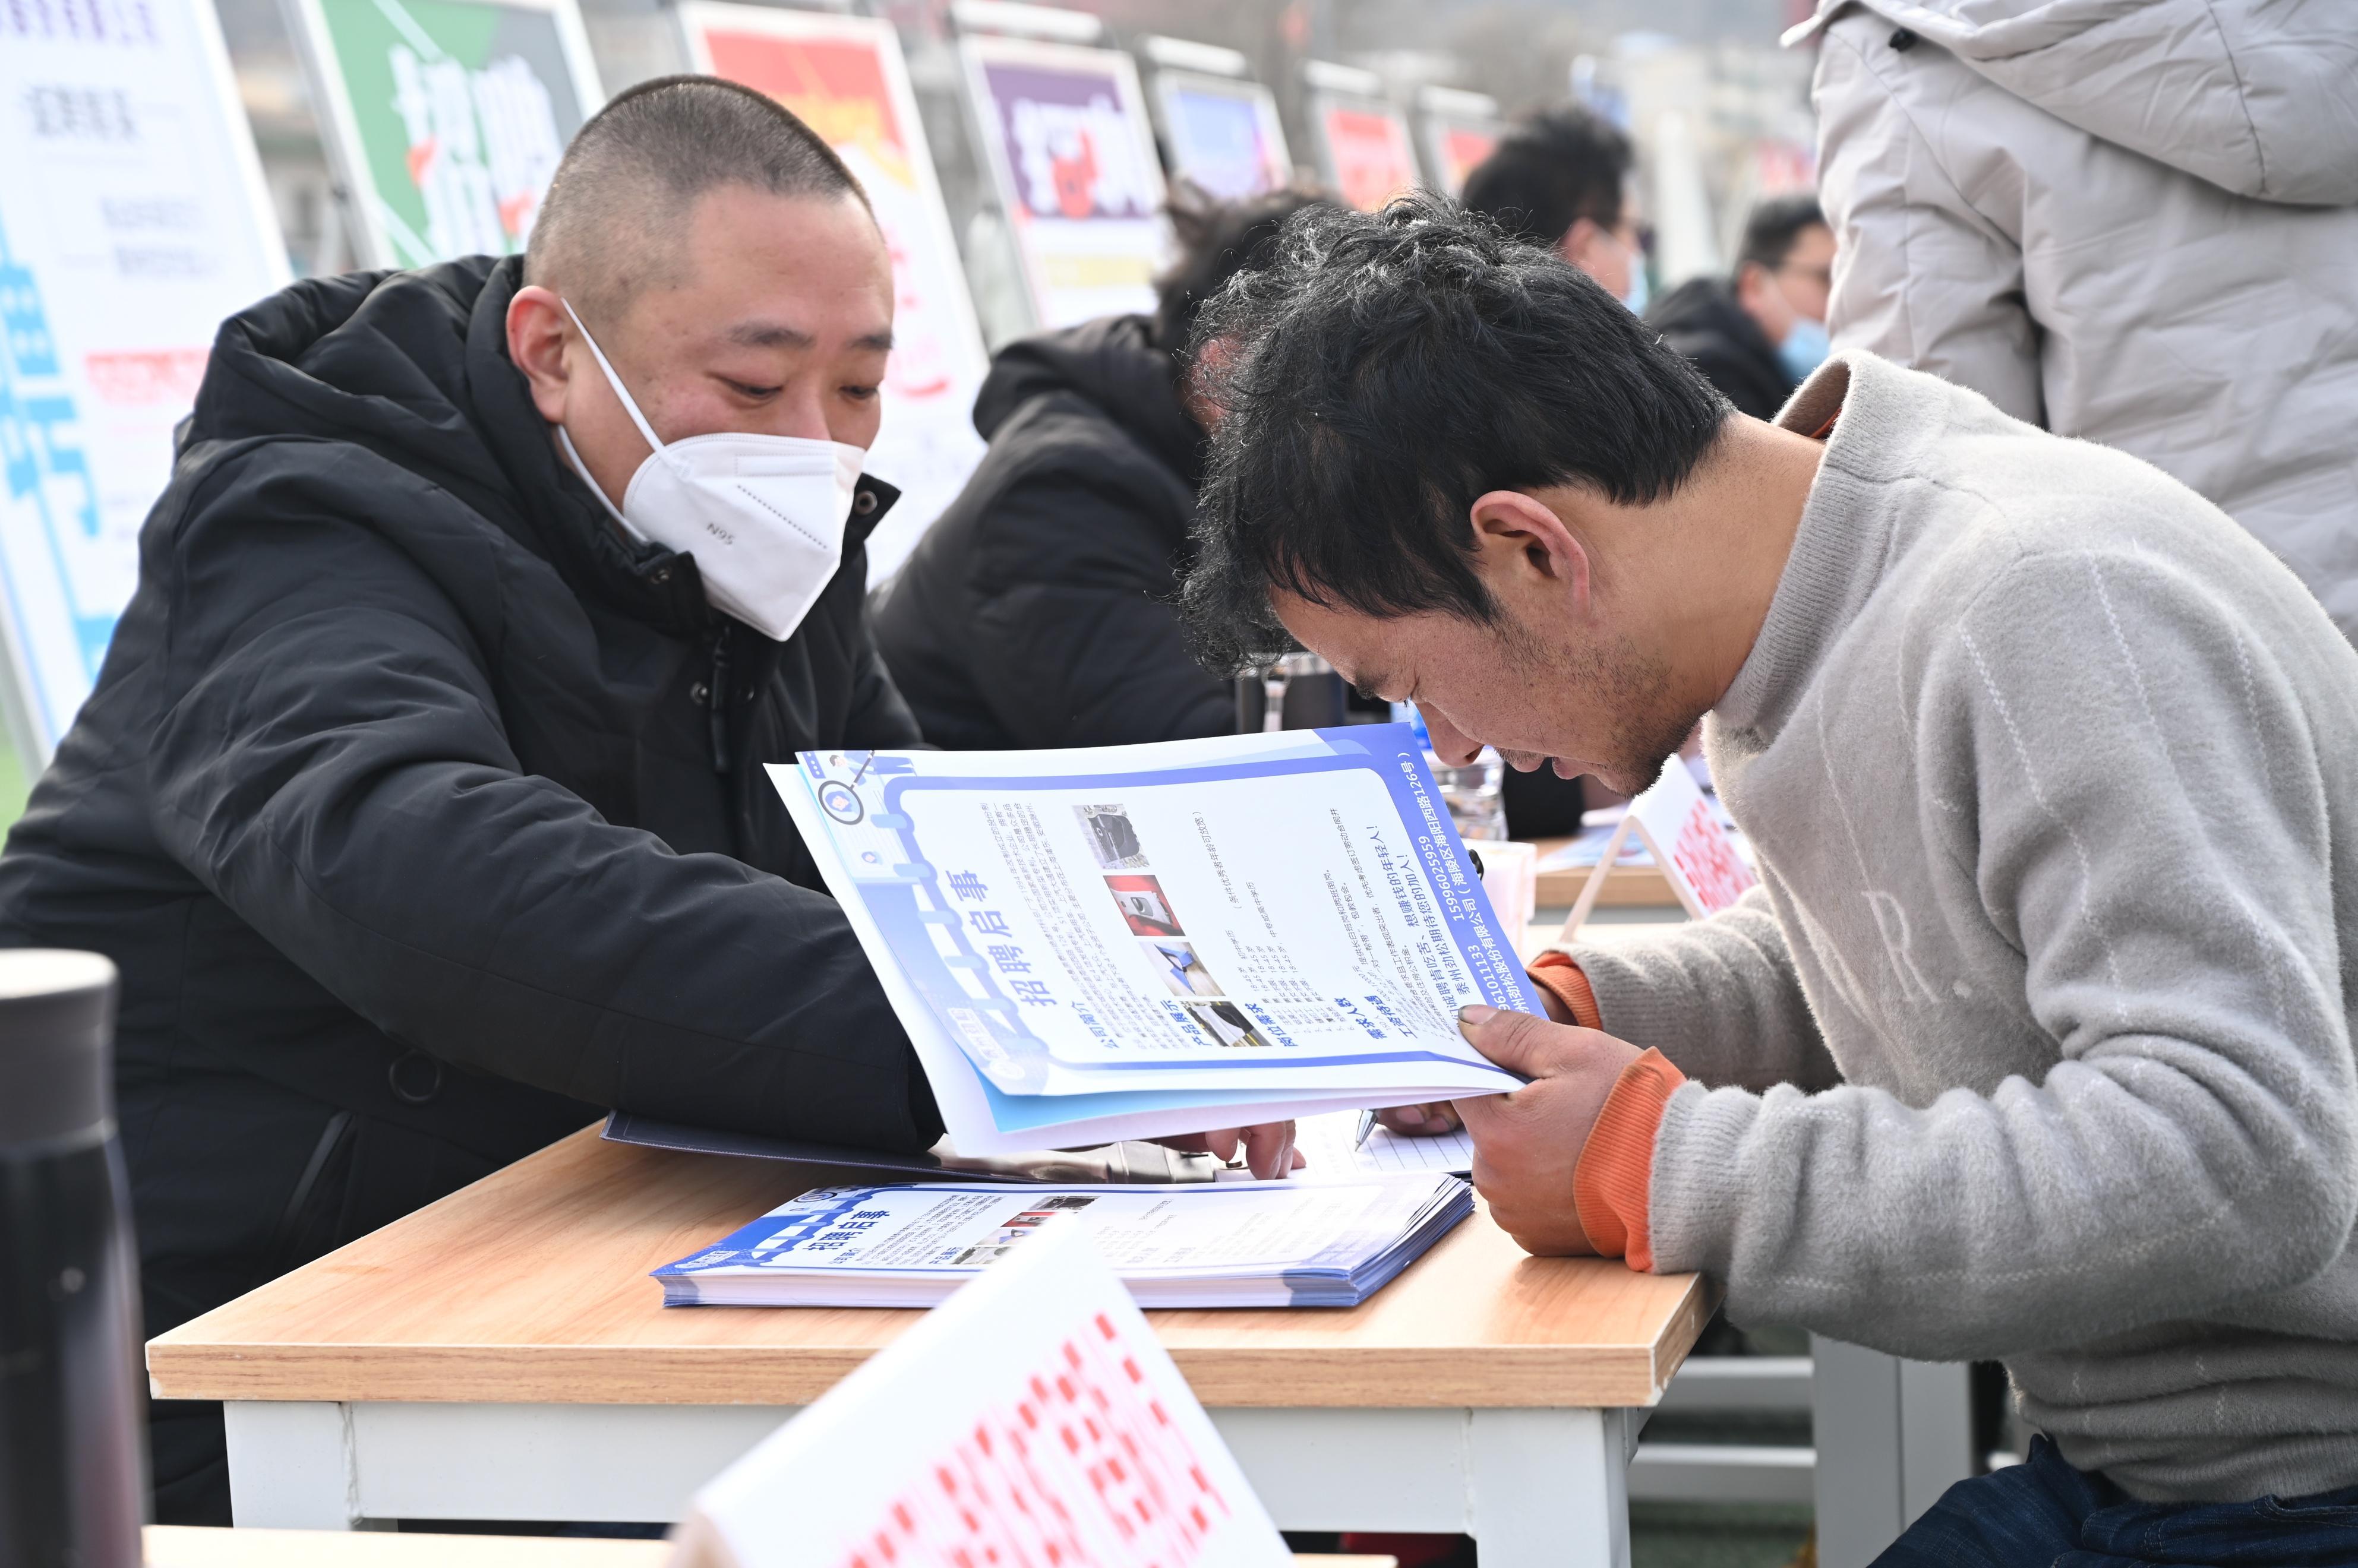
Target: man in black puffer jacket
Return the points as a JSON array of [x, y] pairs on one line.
[[1036, 612], [1757, 334], [421, 806]]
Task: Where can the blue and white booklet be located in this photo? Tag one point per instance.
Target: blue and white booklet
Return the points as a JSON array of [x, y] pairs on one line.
[[1136, 941], [1228, 1244]]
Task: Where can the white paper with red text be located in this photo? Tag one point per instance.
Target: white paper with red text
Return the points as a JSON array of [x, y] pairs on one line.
[[1032, 1418]]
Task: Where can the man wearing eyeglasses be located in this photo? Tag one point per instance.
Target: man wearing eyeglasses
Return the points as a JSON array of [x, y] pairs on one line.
[[1758, 335]]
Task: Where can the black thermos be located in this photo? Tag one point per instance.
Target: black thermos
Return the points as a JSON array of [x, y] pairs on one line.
[[73, 1451]]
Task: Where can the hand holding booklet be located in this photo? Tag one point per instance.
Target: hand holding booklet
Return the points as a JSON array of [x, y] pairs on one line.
[[1129, 942]]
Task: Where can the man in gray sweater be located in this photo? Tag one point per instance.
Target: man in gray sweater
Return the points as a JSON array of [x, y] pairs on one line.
[[2035, 1042]]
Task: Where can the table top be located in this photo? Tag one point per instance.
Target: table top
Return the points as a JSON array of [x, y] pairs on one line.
[[1625, 886], [179, 1546], [531, 1287]]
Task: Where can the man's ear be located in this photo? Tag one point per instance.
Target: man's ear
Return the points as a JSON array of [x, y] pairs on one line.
[[1751, 283], [1574, 244], [537, 342], [1521, 541]]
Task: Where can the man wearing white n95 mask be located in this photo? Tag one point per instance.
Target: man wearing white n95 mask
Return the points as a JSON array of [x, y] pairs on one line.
[[419, 801]]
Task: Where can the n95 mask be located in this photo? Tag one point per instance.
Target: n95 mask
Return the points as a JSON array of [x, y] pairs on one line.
[[764, 515]]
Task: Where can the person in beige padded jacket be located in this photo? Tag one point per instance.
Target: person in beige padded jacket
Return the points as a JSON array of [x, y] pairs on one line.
[[2130, 221]]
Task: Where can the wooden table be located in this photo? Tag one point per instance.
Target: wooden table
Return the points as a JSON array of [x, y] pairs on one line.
[[501, 1355], [175, 1546], [1625, 886]]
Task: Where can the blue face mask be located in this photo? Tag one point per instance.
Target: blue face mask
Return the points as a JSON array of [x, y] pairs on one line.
[[1641, 293], [1805, 348]]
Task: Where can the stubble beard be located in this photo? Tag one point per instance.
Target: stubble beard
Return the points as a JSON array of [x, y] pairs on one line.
[[1633, 688]]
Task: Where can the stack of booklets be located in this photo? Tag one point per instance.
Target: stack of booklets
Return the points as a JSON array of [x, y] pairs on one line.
[[1131, 942], [1230, 1244]]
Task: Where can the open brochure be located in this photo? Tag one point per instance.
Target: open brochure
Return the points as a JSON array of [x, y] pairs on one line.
[[1127, 942], [1230, 1245]]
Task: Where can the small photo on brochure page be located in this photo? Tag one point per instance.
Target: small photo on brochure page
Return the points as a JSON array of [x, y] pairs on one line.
[[1094, 923]]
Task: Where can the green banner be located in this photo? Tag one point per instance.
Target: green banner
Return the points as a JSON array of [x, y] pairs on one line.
[[461, 110]]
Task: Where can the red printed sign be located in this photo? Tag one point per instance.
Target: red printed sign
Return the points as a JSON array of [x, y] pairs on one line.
[[1369, 157], [1708, 861], [134, 377], [1086, 1466]]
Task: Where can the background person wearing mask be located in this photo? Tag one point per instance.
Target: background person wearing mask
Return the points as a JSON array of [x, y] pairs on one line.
[[2134, 223], [420, 800], [1561, 179], [1036, 612], [1756, 336]]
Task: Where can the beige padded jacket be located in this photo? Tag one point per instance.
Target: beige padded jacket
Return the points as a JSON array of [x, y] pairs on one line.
[[2131, 220]]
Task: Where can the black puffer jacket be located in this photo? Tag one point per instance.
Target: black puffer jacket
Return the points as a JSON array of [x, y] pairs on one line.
[[1703, 319], [401, 805], [1036, 611]]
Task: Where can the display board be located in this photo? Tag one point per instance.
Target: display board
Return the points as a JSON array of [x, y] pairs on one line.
[[1364, 149], [445, 119], [133, 218], [845, 77], [1223, 135], [1457, 140], [1072, 157]]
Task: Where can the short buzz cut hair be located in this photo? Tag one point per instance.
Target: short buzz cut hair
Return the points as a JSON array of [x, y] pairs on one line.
[[1383, 372], [1549, 172], [615, 217], [1775, 226]]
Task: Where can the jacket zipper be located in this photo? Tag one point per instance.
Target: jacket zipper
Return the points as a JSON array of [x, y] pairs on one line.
[[718, 712]]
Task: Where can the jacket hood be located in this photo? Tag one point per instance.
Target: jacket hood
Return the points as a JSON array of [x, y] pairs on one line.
[[2258, 97], [1111, 362], [414, 366]]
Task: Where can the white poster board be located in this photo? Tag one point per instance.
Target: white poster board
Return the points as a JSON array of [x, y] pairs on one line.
[[1071, 153], [1032, 1418], [1681, 831], [1461, 130], [846, 79], [133, 219], [1223, 134], [445, 119], [1364, 151]]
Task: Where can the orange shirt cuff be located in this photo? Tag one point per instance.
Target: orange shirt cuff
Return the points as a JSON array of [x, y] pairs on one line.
[[1565, 980], [1614, 1181]]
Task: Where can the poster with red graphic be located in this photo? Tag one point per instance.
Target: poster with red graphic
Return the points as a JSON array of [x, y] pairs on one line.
[[1452, 147], [846, 79], [1065, 132], [1364, 148], [133, 219], [1031, 1419]]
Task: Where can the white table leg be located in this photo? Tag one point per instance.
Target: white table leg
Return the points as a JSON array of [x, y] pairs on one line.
[[1551, 1486], [291, 1465]]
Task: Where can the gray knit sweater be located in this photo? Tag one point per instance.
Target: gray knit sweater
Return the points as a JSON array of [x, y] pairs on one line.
[[2035, 1043]]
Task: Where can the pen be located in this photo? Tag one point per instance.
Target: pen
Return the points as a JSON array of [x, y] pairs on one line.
[[1367, 1125]]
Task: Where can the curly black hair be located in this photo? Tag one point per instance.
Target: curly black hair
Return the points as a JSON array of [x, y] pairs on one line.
[[1379, 373]]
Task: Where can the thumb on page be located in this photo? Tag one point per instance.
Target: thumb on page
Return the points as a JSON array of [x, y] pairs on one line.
[[1518, 1041]]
